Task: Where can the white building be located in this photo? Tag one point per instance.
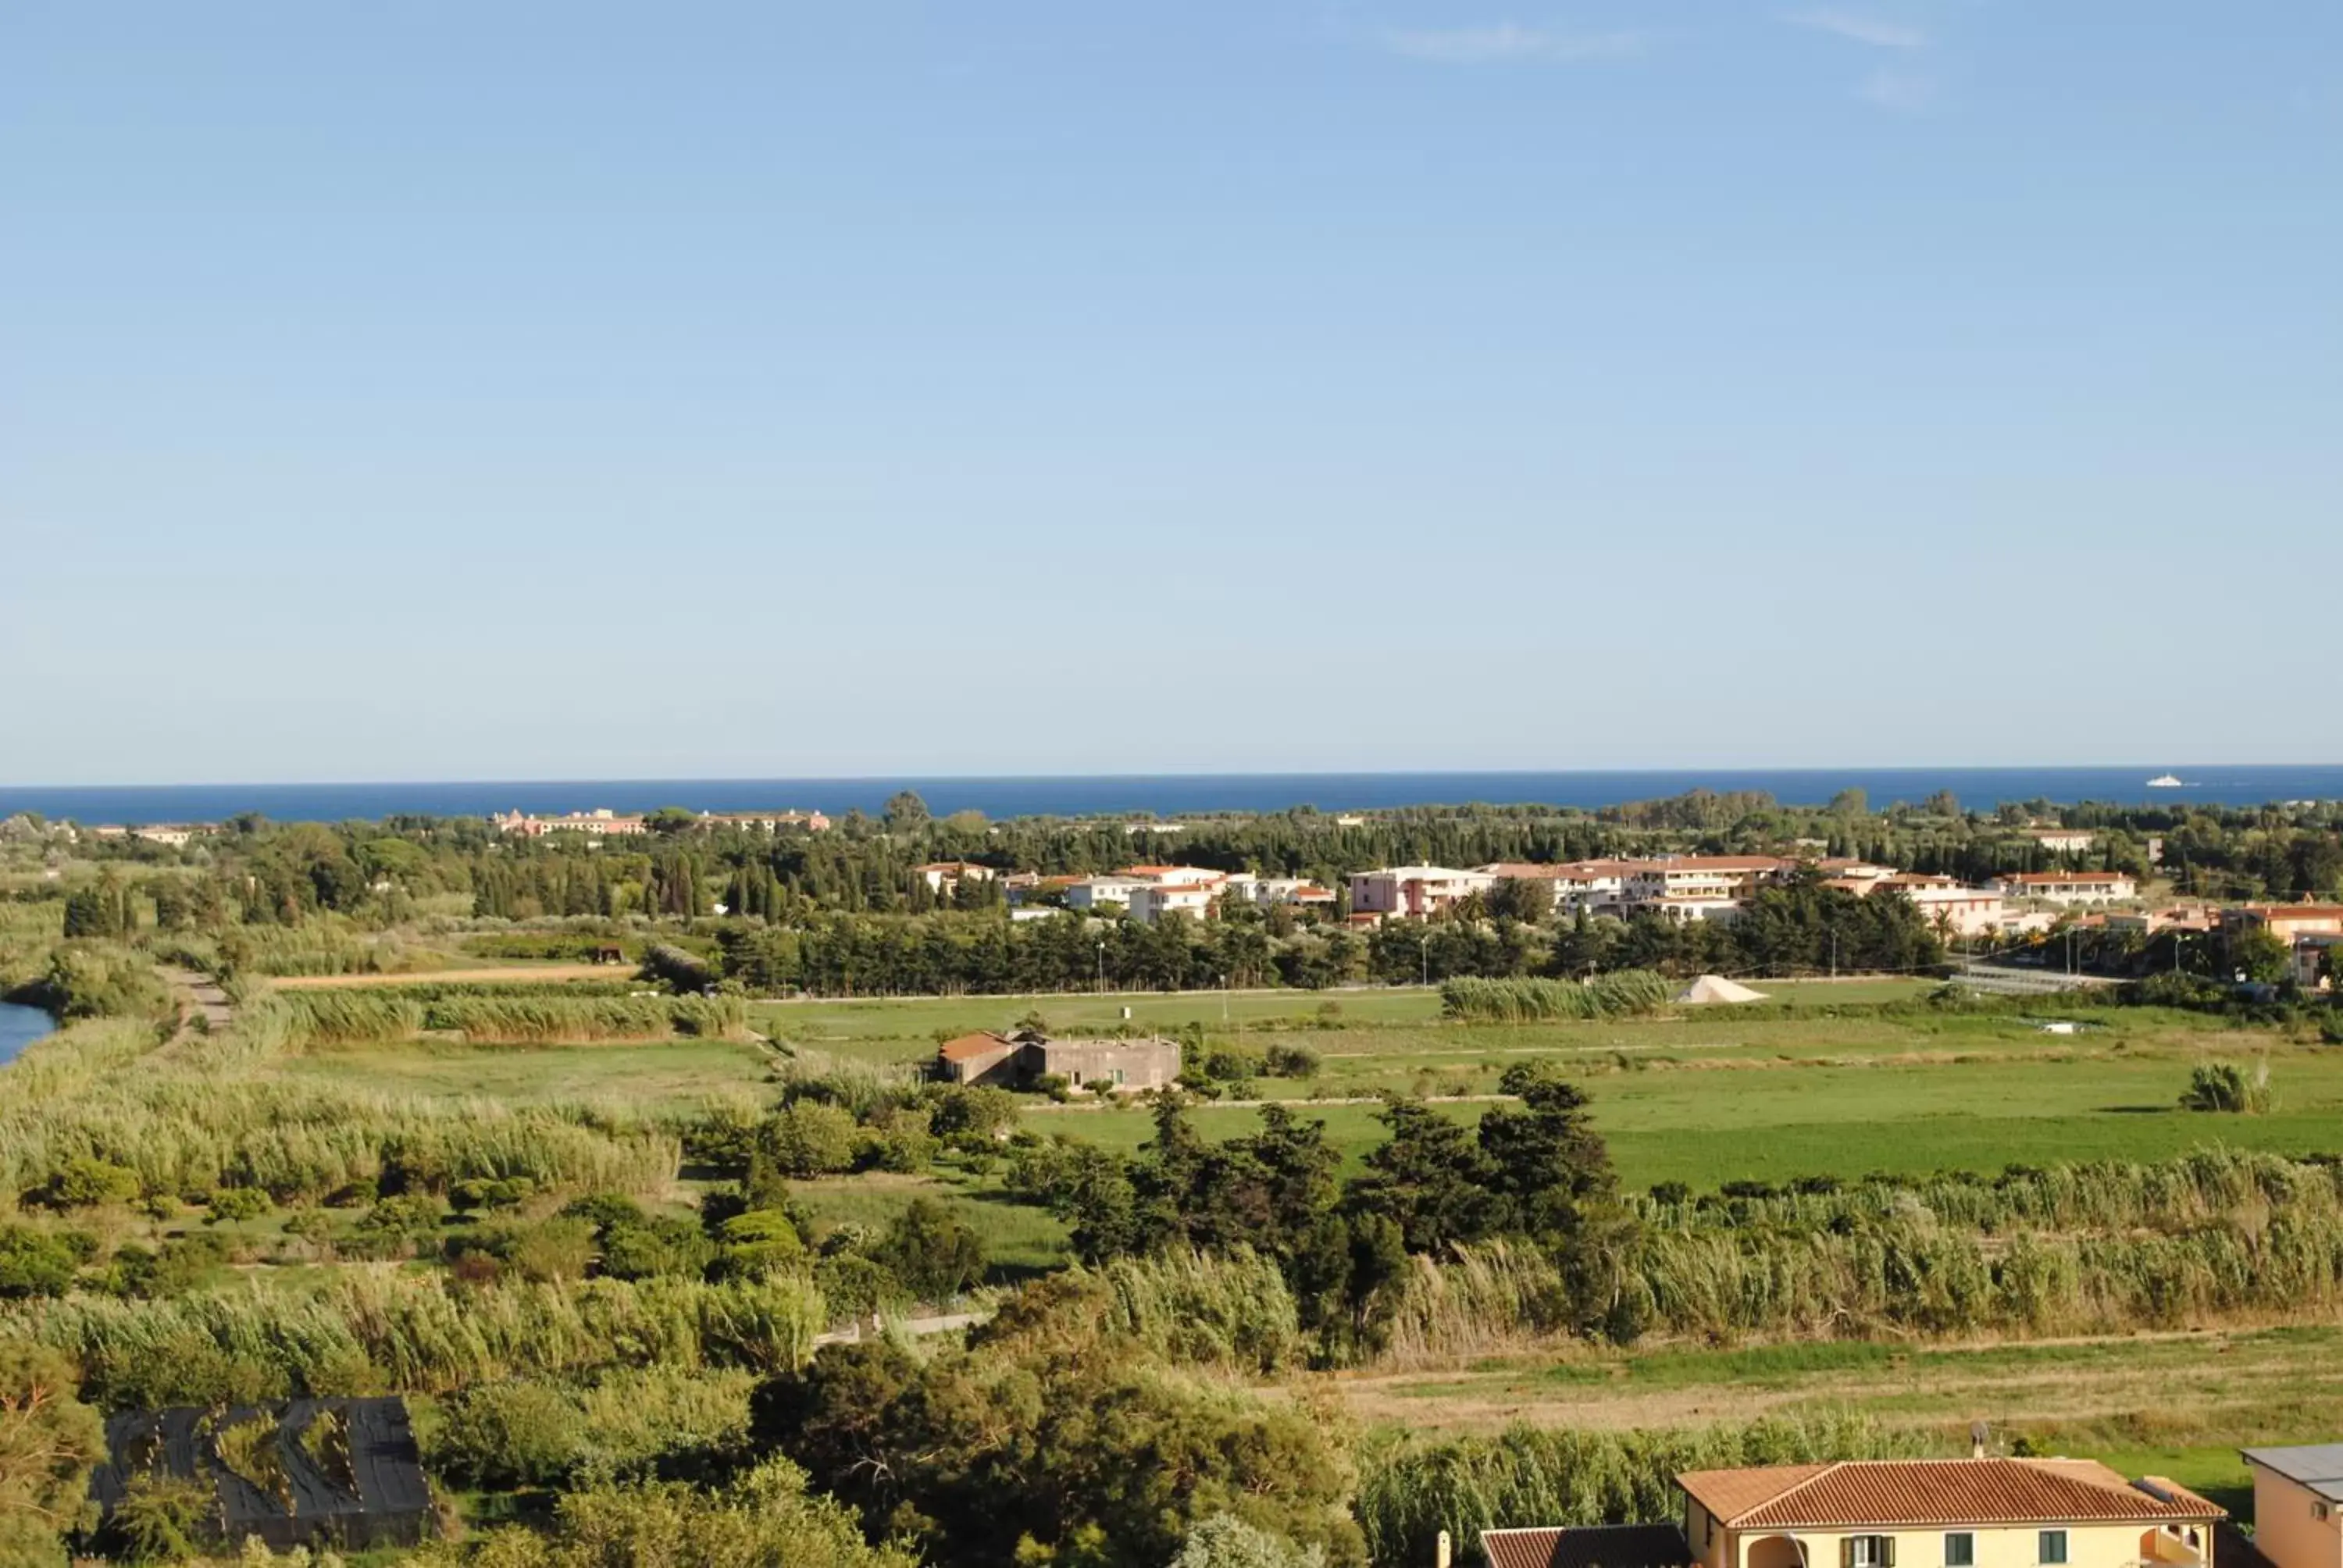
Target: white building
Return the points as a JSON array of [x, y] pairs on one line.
[[2063, 840], [1150, 903], [2068, 888], [1093, 892], [1706, 878], [944, 876], [1413, 892]]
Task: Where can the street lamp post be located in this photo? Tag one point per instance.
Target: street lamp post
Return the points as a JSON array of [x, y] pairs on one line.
[[1100, 986]]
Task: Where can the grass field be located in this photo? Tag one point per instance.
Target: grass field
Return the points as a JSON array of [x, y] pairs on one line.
[[675, 1075], [1704, 1097]]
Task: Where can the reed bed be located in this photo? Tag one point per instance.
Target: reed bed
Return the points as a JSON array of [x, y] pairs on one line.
[[2177, 1195], [1530, 999], [326, 1018], [1232, 1311], [1410, 1490], [377, 1328]]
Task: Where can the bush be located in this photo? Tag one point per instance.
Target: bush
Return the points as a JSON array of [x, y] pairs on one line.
[[233, 1203], [1290, 1062], [933, 1254], [505, 1436], [760, 1241], [2226, 1087], [87, 1183], [35, 1263], [800, 1141]]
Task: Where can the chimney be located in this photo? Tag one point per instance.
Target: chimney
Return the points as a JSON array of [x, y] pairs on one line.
[[1978, 1432], [1441, 1560]]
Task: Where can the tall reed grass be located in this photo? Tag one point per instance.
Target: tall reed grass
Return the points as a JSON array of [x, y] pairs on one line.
[[377, 1328], [1528, 1000]]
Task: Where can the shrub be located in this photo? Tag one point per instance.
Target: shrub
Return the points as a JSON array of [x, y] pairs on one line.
[[806, 1139], [87, 1183], [507, 1435], [35, 1263], [934, 1255], [760, 1241], [2226, 1087], [233, 1203]]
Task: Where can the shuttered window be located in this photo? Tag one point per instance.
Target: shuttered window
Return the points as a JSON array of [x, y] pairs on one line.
[[1867, 1552], [1960, 1550], [2051, 1548]]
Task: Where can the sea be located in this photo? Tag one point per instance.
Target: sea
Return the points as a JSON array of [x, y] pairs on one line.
[[1169, 796]]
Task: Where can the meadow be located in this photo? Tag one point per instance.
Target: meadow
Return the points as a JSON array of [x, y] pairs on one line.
[[1822, 1080]]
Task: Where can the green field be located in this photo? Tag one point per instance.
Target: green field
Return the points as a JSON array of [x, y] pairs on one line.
[[1778, 1090], [675, 1075]]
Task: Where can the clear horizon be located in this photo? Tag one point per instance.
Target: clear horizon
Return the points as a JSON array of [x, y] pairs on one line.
[[874, 776], [545, 392]]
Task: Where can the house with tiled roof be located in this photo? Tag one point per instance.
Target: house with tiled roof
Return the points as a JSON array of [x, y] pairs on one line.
[[1975, 1513], [1022, 1058]]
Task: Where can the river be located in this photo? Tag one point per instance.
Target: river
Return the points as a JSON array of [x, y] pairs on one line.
[[20, 1027]]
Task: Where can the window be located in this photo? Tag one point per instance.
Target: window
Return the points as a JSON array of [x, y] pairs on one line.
[[1869, 1552], [2320, 1510], [2051, 1547], [1960, 1550]]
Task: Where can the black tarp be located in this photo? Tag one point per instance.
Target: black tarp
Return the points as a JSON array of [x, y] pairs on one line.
[[389, 1504]]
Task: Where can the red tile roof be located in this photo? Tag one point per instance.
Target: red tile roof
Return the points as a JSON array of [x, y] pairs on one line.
[[968, 1046], [1929, 1492]]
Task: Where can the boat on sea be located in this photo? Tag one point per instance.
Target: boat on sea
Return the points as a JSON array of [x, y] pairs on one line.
[[2164, 781]]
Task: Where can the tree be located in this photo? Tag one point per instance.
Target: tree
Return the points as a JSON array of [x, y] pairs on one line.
[[49, 1443], [2259, 954], [905, 812], [934, 1255], [1529, 900]]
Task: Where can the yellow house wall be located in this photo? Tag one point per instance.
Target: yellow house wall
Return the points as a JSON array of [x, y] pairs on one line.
[[1710, 1545], [1997, 1547], [2286, 1528]]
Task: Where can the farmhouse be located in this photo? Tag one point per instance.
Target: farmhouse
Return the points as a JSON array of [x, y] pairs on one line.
[[1016, 1060], [1975, 1513]]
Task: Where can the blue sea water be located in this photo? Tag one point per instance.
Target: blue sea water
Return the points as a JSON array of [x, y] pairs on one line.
[[1170, 795]]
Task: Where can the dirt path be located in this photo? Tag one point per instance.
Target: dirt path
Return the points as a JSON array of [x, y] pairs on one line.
[[549, 973], [201, 998]]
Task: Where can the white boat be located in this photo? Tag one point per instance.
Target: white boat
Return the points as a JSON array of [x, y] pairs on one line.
[[2164, 781]]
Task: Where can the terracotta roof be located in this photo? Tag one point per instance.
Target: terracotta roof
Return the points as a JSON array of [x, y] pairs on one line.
[[2291, 911], [1593, 1546], [970, 1045], [1918, 1492]]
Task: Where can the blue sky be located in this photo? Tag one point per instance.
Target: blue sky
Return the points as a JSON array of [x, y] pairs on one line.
[[528, 390]]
